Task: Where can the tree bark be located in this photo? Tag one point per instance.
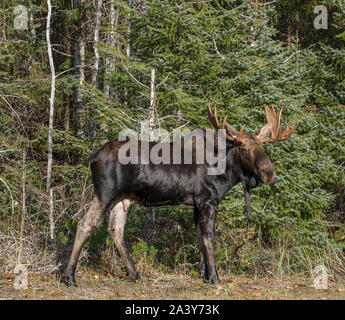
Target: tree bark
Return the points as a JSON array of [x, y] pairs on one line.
[[79, 64], [96, 40], [94, 75], [31, 19], [109, 61], [152, 102], [23, 208], [128, 48], [149, 224], [67, 104]]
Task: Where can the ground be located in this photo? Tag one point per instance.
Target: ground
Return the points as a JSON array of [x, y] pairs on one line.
[[160, 285]]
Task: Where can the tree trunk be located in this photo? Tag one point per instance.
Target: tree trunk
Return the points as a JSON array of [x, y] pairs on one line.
[[152, 102], [128, 48], [96, 40], [51, 120], [79, 64], [109, 61], [149, 224], [94, 75], [31, 19]]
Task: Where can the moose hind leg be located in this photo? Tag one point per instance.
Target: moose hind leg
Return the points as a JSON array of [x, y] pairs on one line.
[[90, 221], [116, 228]]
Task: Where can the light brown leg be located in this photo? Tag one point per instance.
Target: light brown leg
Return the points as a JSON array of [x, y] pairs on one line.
[[116, 228], [89, 222]]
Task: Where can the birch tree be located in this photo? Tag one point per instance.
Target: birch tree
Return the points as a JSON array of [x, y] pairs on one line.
[[128, 48], [109, 61], [149, 224], [152, 102], [51, 120], [94, 75]]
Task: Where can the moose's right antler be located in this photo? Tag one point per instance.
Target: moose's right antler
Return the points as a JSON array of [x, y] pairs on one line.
[[214, 120], [273, 127]]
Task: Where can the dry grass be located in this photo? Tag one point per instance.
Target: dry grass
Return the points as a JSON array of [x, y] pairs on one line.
[[31, 253], [158, 285]]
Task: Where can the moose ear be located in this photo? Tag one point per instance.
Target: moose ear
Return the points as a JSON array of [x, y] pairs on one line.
[[233, 132]]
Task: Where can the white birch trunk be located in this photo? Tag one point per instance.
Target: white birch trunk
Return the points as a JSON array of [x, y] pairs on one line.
[[51, 119], [94, 74], [109, 61], [149, 225], [23, 209], [51, 214], [128, 48], [96, 40], [152, 102]]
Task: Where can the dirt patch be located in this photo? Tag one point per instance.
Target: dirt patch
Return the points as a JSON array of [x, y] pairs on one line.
[[159, 286]]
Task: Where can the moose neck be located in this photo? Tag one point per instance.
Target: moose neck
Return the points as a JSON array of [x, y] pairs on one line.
[[233, 167], [248, 179], [235, 171], [224, 182]]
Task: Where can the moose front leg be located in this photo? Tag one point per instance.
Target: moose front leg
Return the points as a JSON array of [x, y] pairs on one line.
[[203, 263], [116, 228], [207, 219]]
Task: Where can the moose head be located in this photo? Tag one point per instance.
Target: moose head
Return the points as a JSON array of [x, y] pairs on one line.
[[249, 152]]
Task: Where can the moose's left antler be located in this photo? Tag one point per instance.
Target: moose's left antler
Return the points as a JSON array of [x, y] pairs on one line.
[[273, 127], [235, 135]]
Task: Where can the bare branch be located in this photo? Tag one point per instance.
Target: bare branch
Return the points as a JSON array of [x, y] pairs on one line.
[[216, 49]]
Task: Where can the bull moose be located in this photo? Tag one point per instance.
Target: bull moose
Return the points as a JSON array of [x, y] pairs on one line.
[[116, 185]]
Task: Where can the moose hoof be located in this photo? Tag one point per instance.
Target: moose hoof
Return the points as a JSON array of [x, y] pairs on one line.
[[214, 280], [134, 276], [204, 276], [69, 281]]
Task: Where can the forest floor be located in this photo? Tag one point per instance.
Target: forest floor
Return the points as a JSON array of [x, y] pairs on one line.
[[161, 285]]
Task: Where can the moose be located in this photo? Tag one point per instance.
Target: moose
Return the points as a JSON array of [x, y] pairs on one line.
[[117, 185]]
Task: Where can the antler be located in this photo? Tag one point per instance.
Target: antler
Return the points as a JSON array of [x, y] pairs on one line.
[[273, 127], [216, 125]]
